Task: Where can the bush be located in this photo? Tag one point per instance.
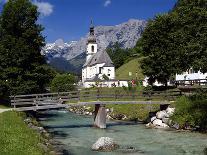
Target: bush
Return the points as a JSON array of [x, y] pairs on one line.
[[191, 111], [63, 82]]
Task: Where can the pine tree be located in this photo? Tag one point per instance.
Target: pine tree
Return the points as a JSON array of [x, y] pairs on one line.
[[22, 67]]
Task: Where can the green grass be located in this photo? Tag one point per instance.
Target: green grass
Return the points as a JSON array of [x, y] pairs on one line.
[[132, 66], [15, 137], [134, 111], [3, 106]]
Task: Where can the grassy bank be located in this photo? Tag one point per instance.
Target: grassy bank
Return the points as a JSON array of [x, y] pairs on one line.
[[132, 66], [134, 112], [15, 137]]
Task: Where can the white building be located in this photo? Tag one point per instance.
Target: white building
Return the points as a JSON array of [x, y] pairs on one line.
[[98, 68], [191, 75]]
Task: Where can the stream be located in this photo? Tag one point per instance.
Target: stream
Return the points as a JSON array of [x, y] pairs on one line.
[[78, 135]]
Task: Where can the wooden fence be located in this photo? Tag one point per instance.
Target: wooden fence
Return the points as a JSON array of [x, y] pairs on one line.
[[57, 99]]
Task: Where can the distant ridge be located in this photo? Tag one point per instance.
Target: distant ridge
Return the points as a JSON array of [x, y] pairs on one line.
[[126, 34]]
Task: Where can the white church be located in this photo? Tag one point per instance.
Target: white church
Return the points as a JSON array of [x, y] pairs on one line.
[[98, 69]]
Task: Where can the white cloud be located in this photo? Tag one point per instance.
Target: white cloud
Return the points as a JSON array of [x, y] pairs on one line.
[[107, 3], [44, 8]]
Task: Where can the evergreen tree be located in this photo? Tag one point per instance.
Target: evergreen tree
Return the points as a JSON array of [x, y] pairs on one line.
[[23, 68]]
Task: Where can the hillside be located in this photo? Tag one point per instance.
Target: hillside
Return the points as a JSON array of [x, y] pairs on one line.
[[132, 66]]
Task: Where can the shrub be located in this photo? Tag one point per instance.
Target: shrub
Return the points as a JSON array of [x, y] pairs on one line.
[[191, 111], [63, 82]]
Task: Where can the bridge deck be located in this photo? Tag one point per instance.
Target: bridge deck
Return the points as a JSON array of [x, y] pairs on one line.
[[57, 100]]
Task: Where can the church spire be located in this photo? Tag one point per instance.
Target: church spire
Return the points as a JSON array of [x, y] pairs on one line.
[[91, 38], [91, 28]]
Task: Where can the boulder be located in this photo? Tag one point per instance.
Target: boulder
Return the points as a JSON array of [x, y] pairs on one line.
[[161, 114], [150, 125], [164, 125], [170, 111], [153, 118], [157, 122], [104, 144], [165, 120]]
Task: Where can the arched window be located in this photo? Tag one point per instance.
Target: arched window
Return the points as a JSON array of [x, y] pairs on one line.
[[92, 48]]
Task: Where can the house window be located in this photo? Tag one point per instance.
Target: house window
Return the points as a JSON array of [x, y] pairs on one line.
[[92, 48]]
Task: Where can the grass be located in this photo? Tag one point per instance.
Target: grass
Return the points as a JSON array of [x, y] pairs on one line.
[[132, 66], [15, 137], [134, 112], [3, 107]]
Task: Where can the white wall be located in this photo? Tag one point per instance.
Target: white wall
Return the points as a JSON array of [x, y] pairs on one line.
[[192, 76], [109, 71], [89, 50], [106, 84]]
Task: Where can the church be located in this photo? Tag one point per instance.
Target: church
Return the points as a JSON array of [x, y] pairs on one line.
[[98, 69]]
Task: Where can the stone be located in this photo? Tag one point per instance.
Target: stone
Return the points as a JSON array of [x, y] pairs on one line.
[[153, 118], [150, 125], [157, 122], [109, 117], [43, 147], [104, 144], [176, 126], [27, 120], [164, 125], [165, 120], [170, 111], [88, 108], [161, 114]]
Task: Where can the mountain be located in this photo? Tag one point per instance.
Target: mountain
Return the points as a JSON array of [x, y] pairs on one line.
[[126, 34]]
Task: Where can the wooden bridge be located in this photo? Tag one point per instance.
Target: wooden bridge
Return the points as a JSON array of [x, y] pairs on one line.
[[35, 102]]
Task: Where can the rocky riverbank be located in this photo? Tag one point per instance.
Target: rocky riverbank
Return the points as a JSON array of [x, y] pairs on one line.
[[161, 119], [87, 110], [48, 145]]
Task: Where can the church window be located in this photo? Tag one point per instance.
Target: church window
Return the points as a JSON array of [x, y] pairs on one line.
[[100, 70], [92, 48]]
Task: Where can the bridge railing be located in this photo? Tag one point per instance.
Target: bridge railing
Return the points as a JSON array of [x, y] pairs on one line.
[[90, 95]]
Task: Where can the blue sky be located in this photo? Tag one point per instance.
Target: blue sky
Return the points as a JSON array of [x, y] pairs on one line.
[[70, 19]]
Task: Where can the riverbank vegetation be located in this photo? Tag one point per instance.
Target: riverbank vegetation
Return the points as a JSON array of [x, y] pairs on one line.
[[15, 137], [139, 112], [191, 111]]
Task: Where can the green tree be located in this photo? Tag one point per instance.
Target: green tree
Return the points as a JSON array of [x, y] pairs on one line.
[[22, 66], [63, 83], [118, 55], [176, 41]]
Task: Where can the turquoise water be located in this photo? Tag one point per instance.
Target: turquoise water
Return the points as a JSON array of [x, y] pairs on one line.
[[78, 135]]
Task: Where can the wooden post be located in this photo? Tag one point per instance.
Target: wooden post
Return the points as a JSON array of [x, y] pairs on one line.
[[36, 103], [14, 101], [100, 116]]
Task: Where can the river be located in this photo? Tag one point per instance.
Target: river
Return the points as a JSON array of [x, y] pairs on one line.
[[78, 135]]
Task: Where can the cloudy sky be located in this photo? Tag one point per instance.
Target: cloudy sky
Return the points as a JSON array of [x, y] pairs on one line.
[[70, 19]]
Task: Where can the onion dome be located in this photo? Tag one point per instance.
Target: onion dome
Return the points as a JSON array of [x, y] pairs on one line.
[[91, 37]]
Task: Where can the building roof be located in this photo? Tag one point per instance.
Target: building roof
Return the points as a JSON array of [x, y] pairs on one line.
[[99, 58]]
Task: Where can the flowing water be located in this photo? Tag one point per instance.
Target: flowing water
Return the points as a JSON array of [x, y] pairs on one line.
[[78, 135]]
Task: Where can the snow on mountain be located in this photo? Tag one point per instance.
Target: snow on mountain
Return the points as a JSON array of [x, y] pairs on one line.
[[126, 34]]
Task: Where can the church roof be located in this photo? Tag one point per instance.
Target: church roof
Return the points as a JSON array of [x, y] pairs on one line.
[[99, 58]]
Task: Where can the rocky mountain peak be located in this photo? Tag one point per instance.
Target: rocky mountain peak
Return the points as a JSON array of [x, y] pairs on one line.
[[126, 34]]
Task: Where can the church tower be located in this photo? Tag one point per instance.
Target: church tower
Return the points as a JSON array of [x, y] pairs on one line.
[[91, 43]]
